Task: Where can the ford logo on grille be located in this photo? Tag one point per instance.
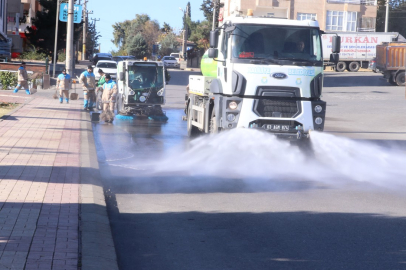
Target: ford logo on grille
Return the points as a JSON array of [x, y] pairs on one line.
[[279, 75]]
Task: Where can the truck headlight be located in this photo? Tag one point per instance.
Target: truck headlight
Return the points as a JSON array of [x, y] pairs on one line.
[[232, 105], [318, 120], [230, 117], [143, 98], [318, 109], [131, 93], [160, 92]]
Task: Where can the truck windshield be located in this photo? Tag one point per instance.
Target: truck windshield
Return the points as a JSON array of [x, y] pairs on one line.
[[146, 76], [274, 43]]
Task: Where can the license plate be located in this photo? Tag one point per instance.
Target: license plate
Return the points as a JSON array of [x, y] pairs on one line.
[[277, 127]]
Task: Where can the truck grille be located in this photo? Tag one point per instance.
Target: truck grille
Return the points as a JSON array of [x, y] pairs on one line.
[[279, 102], [276, 108]]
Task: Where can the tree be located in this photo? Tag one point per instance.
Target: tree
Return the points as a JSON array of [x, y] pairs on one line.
[[187, 19], [137, 46], [207, 7], [200, 34], [42, 33], [166, 28], [397, 16], [92, 37], [168, 44]]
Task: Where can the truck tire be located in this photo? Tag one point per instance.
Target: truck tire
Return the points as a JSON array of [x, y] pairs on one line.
[[353, 66], [400, 78], [192, 131], [341, 66], [213, 128]]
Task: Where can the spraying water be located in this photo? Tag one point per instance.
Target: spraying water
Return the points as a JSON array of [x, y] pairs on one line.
[[252, 154]]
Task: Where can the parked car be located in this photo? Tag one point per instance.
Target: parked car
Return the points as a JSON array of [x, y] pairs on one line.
[[170, 61], [123, 58], [178, 57], [101, 56], [372, 64], [108, 67]]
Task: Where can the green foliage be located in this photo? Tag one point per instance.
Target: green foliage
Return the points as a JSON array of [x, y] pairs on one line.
[[168, 44], [397, 15], [125, 31], [8, 79], [119, 52], [42, 36], [167, 28], [200, 34], [61, 57], [92, 37], [207, 8], [137, 46], [33, 54]]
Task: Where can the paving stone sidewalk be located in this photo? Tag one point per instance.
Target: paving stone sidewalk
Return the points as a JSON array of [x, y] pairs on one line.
[[40, 191]]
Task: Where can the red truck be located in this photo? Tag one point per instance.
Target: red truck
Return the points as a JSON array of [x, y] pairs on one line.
[[391, 60]]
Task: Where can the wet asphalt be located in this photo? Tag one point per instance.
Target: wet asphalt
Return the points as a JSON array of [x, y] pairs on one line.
[[180, 221]]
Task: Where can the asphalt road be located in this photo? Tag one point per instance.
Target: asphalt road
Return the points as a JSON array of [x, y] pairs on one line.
[[342, 209]]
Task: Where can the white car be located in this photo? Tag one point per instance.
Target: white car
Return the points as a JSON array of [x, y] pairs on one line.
[[108, 67], [170, 61], [178, 57]]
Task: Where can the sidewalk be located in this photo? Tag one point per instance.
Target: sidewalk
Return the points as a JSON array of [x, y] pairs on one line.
[[52, 208]]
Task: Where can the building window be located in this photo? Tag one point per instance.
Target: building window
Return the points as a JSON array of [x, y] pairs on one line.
[[366, 24], [306, 16], [341, 21]]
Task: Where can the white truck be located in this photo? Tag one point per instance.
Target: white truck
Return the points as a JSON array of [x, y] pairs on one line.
[[357, 48], [141, 88], [269, 76]]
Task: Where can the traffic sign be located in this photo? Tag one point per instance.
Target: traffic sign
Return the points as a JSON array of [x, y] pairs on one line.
[[77, 13]]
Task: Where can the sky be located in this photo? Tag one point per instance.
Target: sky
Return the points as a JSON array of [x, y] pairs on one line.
[[110, 12]]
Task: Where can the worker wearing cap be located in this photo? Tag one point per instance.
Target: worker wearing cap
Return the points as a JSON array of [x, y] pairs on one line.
[[64, 83], [88, 81], [109, 99], [22, 79]]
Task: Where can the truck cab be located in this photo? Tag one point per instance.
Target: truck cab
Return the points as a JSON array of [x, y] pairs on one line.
[[269, 76]]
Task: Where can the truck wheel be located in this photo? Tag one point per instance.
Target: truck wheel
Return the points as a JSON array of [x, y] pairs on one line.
[[213, 128], [341, 66], [192, 131], [99, 103], [400, 78], [353, 66]]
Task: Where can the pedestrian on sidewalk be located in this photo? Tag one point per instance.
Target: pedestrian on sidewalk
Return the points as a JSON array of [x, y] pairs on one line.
[[88, 81], [64, 83], [22, 79], [109, 99]]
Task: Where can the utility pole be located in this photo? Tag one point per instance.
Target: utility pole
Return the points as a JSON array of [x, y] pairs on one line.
[[95, 20], [69, 40], [56, 38], [214, 15], [84, 30], [387, 16]]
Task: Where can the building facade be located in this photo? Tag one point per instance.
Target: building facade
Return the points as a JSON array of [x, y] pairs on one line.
[[332, 15]]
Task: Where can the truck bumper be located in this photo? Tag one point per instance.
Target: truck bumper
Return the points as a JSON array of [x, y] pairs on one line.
[[309, 115]]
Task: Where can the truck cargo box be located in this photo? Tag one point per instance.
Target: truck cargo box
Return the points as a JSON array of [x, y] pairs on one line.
[[391, 56]]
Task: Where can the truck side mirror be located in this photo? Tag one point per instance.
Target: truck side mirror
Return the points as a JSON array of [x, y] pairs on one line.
[[214, 37], [213, 53], [336, 44], [121, 76], [334, 58]]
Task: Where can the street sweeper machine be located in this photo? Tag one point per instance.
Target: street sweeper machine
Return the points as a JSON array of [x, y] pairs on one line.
[[141, 89]]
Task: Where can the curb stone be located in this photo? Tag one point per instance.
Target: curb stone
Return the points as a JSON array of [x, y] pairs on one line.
[[98, 251]]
